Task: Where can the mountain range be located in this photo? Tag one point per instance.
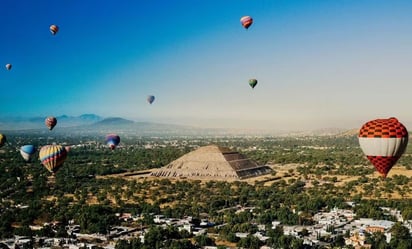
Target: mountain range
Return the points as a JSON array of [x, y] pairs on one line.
[[92, 123], [22, 123]]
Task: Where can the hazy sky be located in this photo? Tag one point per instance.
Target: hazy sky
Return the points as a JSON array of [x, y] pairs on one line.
[[320, 63]]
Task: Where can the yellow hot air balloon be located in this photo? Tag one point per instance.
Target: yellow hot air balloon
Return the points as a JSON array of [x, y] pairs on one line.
[[3, 140], [52, 157]]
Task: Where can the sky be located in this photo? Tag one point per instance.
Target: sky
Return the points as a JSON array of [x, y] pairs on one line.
[[319, 63]]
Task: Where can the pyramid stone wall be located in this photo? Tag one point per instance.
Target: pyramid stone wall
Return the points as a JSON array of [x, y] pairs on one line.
[[212, 162]]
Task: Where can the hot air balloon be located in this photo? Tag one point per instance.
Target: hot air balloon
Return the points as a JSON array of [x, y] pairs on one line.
[[52, 157], [383, 141], [8, 66], [27, 151], [150, 99], [3, 140], [253, 83], [54, 29], [50, 122], [112, 140], [246, 21], [68, 148]]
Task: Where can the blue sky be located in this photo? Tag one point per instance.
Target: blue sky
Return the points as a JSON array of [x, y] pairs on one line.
[[319, 63]]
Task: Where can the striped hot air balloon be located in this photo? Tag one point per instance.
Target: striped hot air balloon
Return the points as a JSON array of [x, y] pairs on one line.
[[54, 29], [383, 141], [52, 157], [112, 140], [246, 21], [27, 151], [50, 122]]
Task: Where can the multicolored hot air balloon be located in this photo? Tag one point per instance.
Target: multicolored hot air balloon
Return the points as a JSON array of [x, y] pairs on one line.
[[3, 140], [246, 21], [8, 66], [50, 122], [27, 152], [253, 83], [52, 157], [112, 140], [54, 29], [383, 141], [150, 99]]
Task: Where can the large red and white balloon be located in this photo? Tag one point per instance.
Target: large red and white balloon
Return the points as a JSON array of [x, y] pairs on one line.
[[383, 141]]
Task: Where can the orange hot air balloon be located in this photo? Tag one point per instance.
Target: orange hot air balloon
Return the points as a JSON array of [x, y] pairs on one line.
[[383, 141], [54, 29], [52, 157], [246, 21], [50, 122]]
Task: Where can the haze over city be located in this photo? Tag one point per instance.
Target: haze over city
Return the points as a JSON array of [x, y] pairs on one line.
[[319, 64]]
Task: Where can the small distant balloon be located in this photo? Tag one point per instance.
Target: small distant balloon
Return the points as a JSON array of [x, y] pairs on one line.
[[52, 157], [27, 152], [112, 140], [54, 29], [150, 99], [253, 83], [246, 21], [8, 66], [68, 148], [3, 140], [50, 122]]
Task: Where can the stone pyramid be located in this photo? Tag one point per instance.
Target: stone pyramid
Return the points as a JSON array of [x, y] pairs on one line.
[[212, 162]]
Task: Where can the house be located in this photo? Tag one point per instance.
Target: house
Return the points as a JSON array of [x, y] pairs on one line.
[[159, 218]]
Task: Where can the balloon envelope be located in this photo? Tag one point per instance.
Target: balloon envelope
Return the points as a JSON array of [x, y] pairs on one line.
[[246, 21], [383, 141], [3, 140], [54, 29], [52, 157], [150, 99], [253, 83], [8, 66], [50, 122], [27, 152], [112, 140]]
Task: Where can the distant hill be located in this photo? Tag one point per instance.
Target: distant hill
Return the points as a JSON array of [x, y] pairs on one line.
[[113, 121], [21, 123], [94, 124], [90, 117]]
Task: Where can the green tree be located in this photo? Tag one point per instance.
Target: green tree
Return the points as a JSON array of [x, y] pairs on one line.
[[250, 242], [401, 238], [204, 240]]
